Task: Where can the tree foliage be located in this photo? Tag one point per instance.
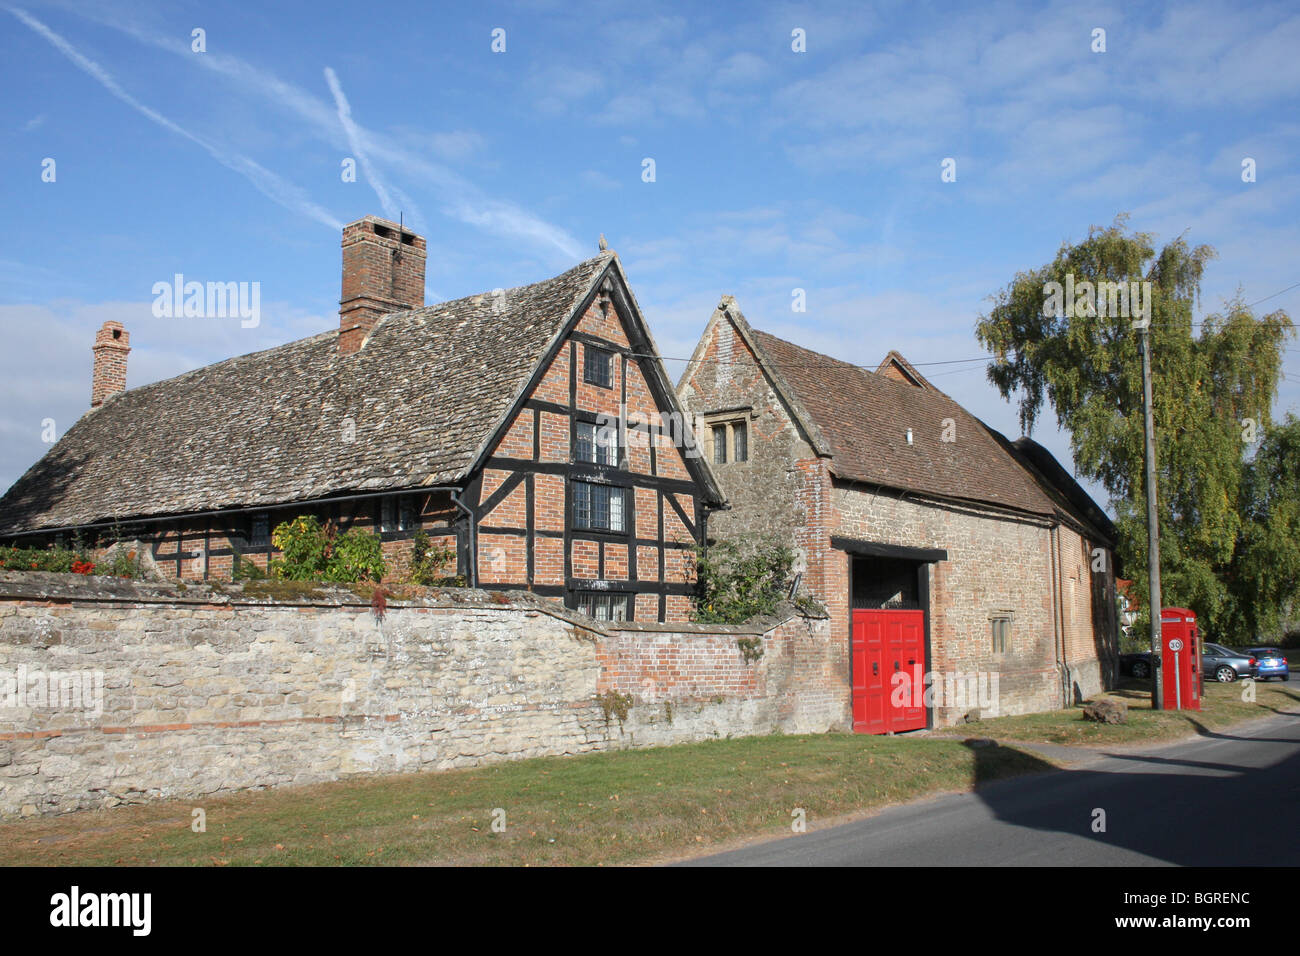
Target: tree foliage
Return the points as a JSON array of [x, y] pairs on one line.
[[1262, 582], [1206, 384]]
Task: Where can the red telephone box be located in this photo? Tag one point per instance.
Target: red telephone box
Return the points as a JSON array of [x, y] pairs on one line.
[[1180, 659]]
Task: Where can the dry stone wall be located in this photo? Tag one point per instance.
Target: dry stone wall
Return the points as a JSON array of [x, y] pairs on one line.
[[116, 692]]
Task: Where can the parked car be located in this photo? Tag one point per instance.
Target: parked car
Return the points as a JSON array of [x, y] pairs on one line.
[[1221, 663], [1226, 665], [1272, 662], [1136, 665]]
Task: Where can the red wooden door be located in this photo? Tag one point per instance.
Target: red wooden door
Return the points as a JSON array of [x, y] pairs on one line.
[[886, 643]]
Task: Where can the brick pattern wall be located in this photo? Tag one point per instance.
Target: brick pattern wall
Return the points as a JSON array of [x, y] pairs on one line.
[[798, 685], [203, 692]]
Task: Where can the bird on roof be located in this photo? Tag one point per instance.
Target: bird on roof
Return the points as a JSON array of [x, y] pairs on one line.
[[603, 244]]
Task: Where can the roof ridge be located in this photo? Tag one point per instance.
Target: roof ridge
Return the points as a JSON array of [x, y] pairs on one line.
[[188, 373], [930, 389], [272, 415], [334, 331]]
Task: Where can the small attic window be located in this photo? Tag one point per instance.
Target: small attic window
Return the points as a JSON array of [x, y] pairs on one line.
[[597, 367]]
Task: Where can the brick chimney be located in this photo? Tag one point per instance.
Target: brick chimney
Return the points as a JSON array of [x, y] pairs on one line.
[[383, 271], [112, 343]]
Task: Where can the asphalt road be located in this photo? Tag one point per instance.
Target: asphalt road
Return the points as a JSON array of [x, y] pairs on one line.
[[1222, 799]]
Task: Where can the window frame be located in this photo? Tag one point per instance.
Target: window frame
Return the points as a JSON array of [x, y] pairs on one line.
[[611, 447], [607, 363], [262, 540], [719, 447], [396, 514], [733, 447], [589, 603], [584, 518], [1000, 632]]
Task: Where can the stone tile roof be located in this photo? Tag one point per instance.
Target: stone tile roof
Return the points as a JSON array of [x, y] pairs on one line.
[[423, 395], [863, 419]]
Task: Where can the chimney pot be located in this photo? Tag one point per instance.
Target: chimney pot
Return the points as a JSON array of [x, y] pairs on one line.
[[112, 344], [383, 271]]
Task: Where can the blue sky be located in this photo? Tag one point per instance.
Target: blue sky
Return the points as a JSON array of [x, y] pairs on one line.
[[774, 170]]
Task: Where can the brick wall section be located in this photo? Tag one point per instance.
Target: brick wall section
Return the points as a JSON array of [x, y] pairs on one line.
[[209, 690], [799, 685]]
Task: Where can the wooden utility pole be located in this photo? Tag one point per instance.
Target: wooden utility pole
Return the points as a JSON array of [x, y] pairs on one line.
[[1155, 606]]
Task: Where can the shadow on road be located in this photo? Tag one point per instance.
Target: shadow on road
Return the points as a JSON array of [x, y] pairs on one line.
[[1165, 815]]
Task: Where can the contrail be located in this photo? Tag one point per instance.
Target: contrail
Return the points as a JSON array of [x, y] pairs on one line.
[[354, 140], [461, 199], [268, 183]]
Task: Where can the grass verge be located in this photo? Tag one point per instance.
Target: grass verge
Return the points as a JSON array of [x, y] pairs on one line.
[[589, 810], [1222, 706]]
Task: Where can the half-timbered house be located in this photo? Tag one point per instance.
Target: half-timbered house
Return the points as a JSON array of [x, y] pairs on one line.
[[533, 428]]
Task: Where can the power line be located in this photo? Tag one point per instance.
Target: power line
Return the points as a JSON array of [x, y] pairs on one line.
[[836, 363]]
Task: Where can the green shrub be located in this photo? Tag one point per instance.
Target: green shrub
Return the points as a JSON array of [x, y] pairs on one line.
[[303, 545], [246, 570], [735, 584], [310, 552], [125, 564], [357, 556]]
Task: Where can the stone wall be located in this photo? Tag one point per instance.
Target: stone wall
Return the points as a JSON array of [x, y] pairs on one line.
[[190, 691]]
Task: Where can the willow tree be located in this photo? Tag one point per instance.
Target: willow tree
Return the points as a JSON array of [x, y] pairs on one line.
[[1214, 382], [1262, 580]]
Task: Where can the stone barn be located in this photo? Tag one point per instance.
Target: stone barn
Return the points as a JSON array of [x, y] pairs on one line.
[[967, 574]]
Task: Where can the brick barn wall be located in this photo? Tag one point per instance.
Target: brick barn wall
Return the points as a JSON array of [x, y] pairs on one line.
[[994, 565], [206, 690], [1090, 644]]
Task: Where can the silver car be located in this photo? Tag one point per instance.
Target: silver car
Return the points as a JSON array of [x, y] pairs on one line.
[[1226, 665]]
